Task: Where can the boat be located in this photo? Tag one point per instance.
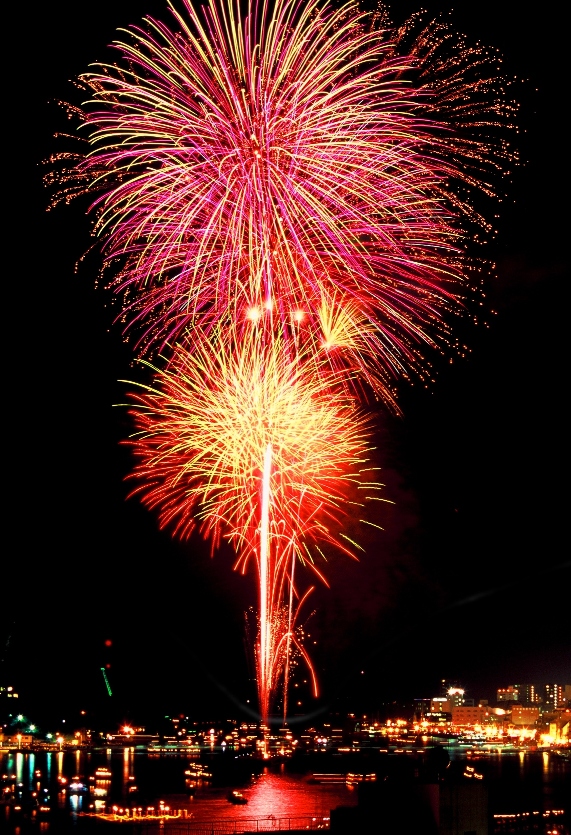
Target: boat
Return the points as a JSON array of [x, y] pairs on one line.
[[237, 797], [352, 779], [320, 778], [196, 770]]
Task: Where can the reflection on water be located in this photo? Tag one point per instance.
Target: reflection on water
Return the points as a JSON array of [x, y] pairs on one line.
[[46, 785], [19, 767], [545, 764], [53, 794], [273, 793], [31, 768], [127, 754], [76, 804]]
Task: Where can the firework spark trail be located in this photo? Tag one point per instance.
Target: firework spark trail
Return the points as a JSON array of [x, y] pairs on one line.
[[265, 626], [289, 637]]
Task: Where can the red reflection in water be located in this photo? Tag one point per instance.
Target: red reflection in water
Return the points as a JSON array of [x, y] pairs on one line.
[[273, 794]]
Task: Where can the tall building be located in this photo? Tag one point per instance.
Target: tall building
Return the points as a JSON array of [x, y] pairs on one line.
[[508, 694], [553, 696], [456, 696], [447, 684], [452, 697], [421, 708], [527, 694], [440, 704]]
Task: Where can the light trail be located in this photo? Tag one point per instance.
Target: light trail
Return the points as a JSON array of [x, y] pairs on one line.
[[265, 591], [289, 636]]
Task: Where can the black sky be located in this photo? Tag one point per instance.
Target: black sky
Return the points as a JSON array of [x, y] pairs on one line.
[[471, 579]]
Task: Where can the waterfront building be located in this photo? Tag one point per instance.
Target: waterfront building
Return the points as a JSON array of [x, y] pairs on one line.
[[440, 704], [524, 715], [559, 730], [438, 717], [18, 740], [469, 715]]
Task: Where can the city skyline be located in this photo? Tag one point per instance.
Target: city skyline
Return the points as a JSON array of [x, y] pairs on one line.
[[25, 712]]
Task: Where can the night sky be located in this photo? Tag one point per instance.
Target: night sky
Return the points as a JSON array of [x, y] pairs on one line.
[[470, 580]]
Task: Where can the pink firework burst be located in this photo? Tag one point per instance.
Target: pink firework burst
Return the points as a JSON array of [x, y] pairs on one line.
[[279, 161]]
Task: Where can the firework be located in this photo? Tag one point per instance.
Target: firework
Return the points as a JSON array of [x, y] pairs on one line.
[[203, 432], [284, 198], [261, 450], [462, 88], [279, 160]]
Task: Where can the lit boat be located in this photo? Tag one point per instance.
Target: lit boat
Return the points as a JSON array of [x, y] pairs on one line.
[[196, 770], [237, 797]]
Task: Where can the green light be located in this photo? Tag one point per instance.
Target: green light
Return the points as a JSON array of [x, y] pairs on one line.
[[107, 685]]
